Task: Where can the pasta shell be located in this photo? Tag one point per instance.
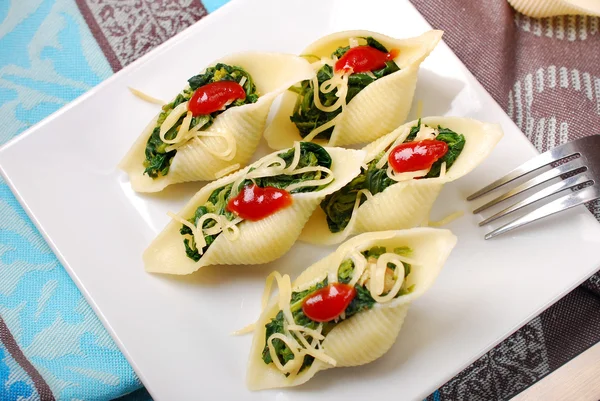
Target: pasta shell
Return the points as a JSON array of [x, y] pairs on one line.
[[272, 73], [551, 8], [377, 109], [416, 197], [259, 241], [367, 335]]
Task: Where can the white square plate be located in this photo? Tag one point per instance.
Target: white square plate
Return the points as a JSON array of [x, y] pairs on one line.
[[175, 331]]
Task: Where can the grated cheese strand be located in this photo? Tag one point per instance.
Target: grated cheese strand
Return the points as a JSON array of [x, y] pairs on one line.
[[407, 176], [359, 194], [145, 96], [443, 170], [384, 159], [379, 277], [227, 170], [447, 220], [296, 159], [419, 108], [171, 120], [312, 183], [292, 331], [230, 143], [320, 129], [291, 366], [360, 264], [245, 330]]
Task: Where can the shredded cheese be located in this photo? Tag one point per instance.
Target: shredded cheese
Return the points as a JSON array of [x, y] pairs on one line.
[[230, 144], [360, 263], [291, 366], [353, 42], [384, 159], [321, 128], [228, 228], [374, 274], [426, 132], [419, 108], [185, 133], [227, 170], [292, 331], [146, 97], [311, 183], [242, 81], [407, 176], [447, 220], [171, 120], [377, 280], [339, 81], [296, 158], [359, 194], [244, 330]]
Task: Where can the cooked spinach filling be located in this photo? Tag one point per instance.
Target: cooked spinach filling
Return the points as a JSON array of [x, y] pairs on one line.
[[338, 206], [311, 154], [361, 302], [307, 116], [158, 159]]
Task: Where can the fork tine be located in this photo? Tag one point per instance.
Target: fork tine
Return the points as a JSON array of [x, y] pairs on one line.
[[540, 179], [560, 152], [548, 191], [566, 202]]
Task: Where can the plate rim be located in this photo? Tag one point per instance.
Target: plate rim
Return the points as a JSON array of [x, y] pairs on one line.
[[5, 149]]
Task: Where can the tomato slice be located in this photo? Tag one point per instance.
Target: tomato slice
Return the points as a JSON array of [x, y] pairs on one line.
[[255, 203], [364, 58], [329, 302], [215, 96], [418, 155]]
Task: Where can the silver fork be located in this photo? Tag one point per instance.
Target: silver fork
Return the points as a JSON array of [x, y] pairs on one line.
[[588, 151]]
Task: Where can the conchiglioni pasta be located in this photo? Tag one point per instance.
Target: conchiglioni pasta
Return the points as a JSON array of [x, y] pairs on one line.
[[208, 232], [552, 8], [407, 200], [378, 108], [231, 139], [289, 348]]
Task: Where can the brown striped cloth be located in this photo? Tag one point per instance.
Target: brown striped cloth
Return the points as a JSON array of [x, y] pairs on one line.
[[545, 73]]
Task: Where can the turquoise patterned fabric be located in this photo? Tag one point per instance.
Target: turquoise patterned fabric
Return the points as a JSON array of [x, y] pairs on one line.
[[48, 57]]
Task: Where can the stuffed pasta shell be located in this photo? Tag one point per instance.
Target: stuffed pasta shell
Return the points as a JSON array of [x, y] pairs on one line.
[[254, 215], [345, 310], [362, 89], [214, 124], [402, 176]]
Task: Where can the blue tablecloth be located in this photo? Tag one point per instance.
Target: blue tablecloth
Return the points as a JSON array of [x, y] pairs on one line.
[[52, 346]]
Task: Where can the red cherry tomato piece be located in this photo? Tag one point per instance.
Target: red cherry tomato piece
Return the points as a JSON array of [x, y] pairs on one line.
[[414, 156], [329, 302], [364, 58], [255, 203], [215, 96]]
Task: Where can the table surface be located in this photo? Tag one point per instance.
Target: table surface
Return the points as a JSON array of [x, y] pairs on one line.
[[576, 381]]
